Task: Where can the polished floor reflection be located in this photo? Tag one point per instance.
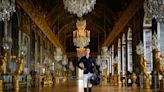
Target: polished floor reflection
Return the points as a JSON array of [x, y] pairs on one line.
[[77, 86]]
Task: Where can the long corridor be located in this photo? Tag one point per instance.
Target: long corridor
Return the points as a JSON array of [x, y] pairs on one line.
[[46, 41], [77, 86]]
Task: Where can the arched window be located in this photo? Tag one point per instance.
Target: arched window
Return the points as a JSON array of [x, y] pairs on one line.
[[123, 55], [147, 38], [129, 50], [112, 54], [110, 60], [119, 56]]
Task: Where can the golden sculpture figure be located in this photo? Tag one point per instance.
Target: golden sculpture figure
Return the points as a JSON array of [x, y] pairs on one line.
[[143, 66], [3, 60], [48, 80], [2, 65], [158, 63], [105, 73], [158, 67], [19, 71], [20, 64], [57, 72], [144, 71]]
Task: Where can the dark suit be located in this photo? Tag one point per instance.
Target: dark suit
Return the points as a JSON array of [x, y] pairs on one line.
[[89, 64]]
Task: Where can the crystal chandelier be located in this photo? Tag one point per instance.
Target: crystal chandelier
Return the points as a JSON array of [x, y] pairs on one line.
[[98, 60], [81, 36], [71, 67], [80, 52], [154, 9], [79, 7], [105, 53], [58, 54], [7, 42], [116, 59], [155, 41], [23, 50], [65, 60], [7, 7], [140, 48]]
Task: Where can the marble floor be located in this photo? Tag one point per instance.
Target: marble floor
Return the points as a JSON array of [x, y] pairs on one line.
[[77, 86]]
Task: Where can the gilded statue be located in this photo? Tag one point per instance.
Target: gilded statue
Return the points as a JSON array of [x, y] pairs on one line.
[[2, 64], [143, 66], [158, 63], [3, 60], [48, 80], [20, 64]]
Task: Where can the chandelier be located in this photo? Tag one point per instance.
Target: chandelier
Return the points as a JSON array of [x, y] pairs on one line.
[[154, 9], [98, 60], [105, 53], [71, 67], [81, 36], [155, 41], [140, 48], [23, 50], [64, 60], [7, 7], [58, 54], [79, 7], [80, 52], [7, 42]]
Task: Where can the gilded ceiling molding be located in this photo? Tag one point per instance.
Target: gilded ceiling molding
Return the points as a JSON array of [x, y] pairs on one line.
[[39, 20], [127, 15]]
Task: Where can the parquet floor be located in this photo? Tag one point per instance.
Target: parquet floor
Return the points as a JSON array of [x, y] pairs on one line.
[[77, 86]]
